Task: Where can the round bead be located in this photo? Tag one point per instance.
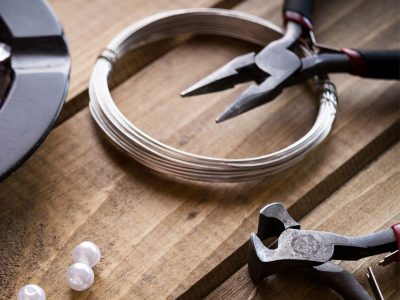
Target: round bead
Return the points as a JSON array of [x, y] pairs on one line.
[[86, 252], [31, 292], [80, 276]]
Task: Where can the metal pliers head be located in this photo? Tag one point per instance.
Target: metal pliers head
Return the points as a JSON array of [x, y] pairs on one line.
[[307, 248], [274, 219], [290, 60]]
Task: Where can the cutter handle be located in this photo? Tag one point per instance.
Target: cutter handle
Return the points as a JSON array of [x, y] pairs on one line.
[[354, 248], [299, 11], [378, 64], [338, 279]]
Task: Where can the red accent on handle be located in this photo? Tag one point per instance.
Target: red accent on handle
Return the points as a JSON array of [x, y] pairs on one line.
[[359, 65], [298, 18], [396, 230]]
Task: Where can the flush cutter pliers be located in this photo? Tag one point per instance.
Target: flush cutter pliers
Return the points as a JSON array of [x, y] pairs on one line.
[[309, 252], [279, 65]]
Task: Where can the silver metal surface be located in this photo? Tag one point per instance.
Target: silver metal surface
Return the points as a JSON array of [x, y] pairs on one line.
[[374, 284], [270, 69], [306, 248], [5, 52], [279, 63], [169, 160], [388, 259]]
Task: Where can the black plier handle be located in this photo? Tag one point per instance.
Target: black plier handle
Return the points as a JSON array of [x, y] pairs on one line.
[[379, 64], [279, 64], [299, 11]]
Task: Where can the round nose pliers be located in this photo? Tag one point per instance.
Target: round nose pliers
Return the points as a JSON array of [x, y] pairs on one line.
[[280, 65]]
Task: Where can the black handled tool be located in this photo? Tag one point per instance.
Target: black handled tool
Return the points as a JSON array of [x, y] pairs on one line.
[[338, 279], [305, 249], [34, 71], [278, 65]]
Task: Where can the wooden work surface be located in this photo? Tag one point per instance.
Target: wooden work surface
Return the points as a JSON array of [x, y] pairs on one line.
[[166, 238]]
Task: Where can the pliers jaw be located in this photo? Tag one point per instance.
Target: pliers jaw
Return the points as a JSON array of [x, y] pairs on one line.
[[239, 70], [310, 252], [273, 220], [269, 69]]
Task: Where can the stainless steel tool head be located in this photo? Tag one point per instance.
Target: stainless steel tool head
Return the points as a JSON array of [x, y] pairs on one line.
[[273, 220], [238, 70], [270, 69], [306, 248]]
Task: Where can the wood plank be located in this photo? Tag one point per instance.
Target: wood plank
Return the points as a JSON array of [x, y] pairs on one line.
[[367, 203], [90, 25], [160, 236]]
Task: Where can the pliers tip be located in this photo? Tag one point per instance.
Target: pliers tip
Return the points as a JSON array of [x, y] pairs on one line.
[[237, 71]]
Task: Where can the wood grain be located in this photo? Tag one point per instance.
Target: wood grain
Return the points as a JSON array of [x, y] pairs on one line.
[[90, 25], [159, 236], [367, 203]]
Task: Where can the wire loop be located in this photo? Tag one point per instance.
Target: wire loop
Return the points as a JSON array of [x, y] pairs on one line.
[[171, 161]]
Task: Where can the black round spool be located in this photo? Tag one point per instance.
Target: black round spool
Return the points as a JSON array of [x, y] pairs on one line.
[[40, 67]]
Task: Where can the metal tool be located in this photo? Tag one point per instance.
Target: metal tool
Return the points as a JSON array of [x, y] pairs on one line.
[[279, 65], [374, 284], [306, 249], [172, 161], [34, 78]]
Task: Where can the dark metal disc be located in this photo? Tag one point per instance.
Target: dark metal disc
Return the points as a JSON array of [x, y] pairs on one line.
[[39, 66]]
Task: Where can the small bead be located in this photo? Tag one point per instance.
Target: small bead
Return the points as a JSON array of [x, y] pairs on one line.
[[31, 292], [86, 252], [80, 276]]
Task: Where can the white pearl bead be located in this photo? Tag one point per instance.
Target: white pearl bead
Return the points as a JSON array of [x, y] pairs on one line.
[[31, 292], [80, 276], [86, 252]]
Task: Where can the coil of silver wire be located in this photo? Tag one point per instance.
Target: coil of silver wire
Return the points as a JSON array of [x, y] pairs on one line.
[[168, 160]]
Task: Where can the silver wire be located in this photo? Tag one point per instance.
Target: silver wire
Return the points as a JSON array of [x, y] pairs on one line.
[[168, 160]]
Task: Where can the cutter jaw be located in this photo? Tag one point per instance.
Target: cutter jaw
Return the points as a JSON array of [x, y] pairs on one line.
[[307, 248], [295, 249], [273, 220], [262, 261], [256, 267]]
